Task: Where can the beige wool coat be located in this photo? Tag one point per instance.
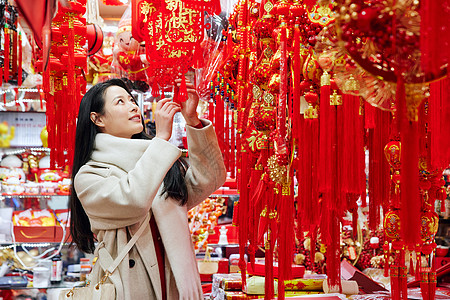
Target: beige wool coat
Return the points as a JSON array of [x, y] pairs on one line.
[[120, 185]]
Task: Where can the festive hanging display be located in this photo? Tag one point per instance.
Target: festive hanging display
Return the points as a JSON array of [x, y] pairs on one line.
[[313, 86], [63, 82], [300, 93]]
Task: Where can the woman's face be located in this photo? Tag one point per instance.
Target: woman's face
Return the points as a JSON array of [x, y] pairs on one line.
[[122, 117]]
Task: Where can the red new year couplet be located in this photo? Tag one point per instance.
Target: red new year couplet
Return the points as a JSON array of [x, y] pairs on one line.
[[172, 31]]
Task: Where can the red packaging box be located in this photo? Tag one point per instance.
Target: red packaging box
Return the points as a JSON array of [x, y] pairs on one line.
[[35, 234], [297, 270]]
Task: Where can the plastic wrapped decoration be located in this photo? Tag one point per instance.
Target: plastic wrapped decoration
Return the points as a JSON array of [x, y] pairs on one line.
[[214, 53], [128, 54]]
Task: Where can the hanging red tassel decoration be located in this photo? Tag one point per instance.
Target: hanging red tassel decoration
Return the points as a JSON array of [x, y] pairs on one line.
[[182, 93], [155, 89], [409, 187], [286, 198], [309, 208], [360, 142], [411, 261], [227, 138], [19, 71], [6, 54], [233, 147], [386, 255], [219, 118], [424, 289], [296, 66], [433, 34], [432, 278], [378, 166], [244, 206], [439, 112], [14, 51], [418, 261], [326, 124]]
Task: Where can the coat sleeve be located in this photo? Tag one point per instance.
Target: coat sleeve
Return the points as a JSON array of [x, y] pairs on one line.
[[206, 172], [116, 202]]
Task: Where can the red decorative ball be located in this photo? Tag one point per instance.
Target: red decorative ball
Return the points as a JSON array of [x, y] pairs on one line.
[[95, 38], [311, 97], [305, 85], [425, 185]]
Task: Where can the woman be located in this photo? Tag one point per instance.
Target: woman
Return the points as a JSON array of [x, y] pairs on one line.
[[119, 176]]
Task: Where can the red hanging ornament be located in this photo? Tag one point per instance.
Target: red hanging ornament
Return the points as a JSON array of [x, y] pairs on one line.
[[6, 54], [19, 63]]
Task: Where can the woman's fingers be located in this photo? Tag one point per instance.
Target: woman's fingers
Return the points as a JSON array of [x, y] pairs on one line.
[[165, 105]]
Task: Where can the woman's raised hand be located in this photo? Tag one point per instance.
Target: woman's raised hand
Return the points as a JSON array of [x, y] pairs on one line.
[[165, 110], [189, 107]]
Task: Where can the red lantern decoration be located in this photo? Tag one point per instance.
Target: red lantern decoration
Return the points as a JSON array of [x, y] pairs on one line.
[[95, 38]]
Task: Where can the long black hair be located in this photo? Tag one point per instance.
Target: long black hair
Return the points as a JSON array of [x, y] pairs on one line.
[[93, 101]]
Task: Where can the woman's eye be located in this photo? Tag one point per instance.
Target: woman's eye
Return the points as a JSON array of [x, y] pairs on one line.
[[120, 101]]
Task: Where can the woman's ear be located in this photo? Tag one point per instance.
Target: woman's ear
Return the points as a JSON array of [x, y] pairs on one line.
[[96, 119]]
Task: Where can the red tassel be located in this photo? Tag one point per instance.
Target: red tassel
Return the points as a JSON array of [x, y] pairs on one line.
[[233, 147], [227, 138], [198, 59], [362, 159], [395, 283], [243, 210], [182, 93], [296, 86], [432, 279], [286, 236], [387, 255], [439, 112], [418, 262], [433, 34], [155, 89], [424, 283], [19, 74], [282, 98], [14, 52], [409, 187], [411, 262], [268, 265], [378, 167], [211, 111], [369, 115], [219, 121], [326, 125], [6, 55]]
